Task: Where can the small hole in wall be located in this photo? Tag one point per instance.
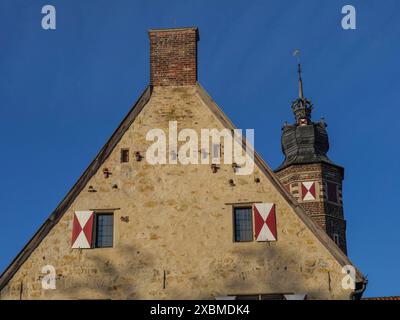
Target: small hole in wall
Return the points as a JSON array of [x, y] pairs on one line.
[[106, 173], [125, 219], [138, 156], [214, 168]]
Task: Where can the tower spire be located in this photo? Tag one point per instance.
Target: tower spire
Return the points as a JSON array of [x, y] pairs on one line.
[[301, 95], [301, 107]]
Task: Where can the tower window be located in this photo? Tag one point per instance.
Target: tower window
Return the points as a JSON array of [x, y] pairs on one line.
[[336, 238], [243, 221], [104, 230], [332, 192], [124, 155]]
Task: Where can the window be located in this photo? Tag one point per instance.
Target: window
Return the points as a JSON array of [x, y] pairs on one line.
[[332, 192], [204, 153], [104, 230], [243, 224], [216, 152], [336, 238], [174, 156], [124, 155]]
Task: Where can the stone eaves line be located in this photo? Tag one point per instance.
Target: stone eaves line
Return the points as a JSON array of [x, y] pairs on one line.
[[63, 206], [321, 235]]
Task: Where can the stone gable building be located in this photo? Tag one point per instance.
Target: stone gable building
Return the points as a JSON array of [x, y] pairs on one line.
[[129, 229]]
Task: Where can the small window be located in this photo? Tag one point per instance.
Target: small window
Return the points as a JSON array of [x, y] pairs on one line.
[[174, 155], [204, 153], [104, 230], [216, 151], [336, 238], [332, 192], [243, 219], [124, 155]]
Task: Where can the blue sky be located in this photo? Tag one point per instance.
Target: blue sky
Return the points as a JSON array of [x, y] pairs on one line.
[[64, 91]]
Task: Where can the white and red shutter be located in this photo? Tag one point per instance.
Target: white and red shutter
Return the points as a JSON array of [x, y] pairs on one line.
[[265, 222], [308, 190], [82, 229]]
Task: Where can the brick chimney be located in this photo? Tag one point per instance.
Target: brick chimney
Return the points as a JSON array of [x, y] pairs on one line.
[[173, 56]]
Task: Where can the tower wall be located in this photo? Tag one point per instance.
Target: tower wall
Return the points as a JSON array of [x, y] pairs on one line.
[[318, 189]]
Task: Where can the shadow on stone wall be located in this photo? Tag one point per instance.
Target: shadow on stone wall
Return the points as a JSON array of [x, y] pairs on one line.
[[136, 274], [100, 277], [281, 272]]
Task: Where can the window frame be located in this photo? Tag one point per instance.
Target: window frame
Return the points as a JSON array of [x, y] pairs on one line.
[[234, 208], [94, 232]]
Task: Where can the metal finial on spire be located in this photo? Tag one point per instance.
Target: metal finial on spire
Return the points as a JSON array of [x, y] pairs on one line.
[[301, 107], [296, 53], [301, 95]]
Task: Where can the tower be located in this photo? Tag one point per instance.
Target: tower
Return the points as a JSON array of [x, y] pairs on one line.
[[307, 172]]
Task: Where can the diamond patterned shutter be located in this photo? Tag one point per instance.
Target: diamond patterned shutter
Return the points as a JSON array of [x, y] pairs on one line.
[[82, 229], [265, 222], [308, 190]]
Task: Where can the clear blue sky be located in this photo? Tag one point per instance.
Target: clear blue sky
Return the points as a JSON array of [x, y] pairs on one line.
[[63, 92]]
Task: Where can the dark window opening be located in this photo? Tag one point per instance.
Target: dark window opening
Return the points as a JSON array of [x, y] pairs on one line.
[[104, 230], [243, 220], [332, 192], [336, 239], [124, 155]]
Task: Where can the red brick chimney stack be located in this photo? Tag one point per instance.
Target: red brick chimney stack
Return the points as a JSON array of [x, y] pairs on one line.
[[173, 56]]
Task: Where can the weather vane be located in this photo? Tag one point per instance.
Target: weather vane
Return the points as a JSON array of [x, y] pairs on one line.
[[296, 53]]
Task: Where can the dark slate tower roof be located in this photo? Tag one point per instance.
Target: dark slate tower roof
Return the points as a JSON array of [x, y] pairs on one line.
[[304, 141]]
